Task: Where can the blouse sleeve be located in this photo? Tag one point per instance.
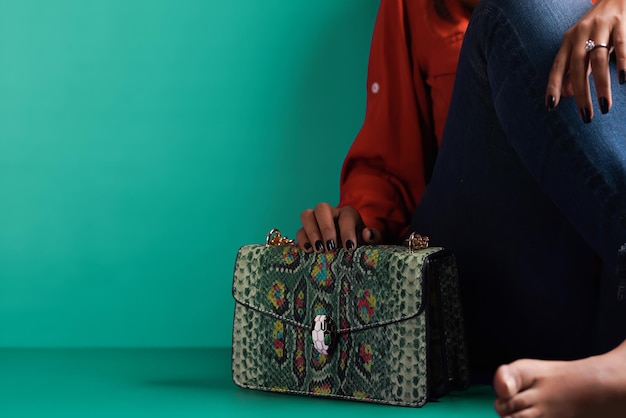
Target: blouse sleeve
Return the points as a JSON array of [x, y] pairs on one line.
[[383, 175]]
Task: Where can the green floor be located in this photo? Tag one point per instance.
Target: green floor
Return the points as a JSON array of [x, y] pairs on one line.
[[173, 383]]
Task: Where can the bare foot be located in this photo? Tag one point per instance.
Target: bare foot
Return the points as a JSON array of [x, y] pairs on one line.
[[592, 387]]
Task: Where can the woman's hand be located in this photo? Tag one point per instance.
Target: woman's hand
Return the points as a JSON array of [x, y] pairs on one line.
[[605, 25], [326, 228]]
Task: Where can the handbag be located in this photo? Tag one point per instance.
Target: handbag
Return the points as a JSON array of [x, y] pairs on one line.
[[378, 324]]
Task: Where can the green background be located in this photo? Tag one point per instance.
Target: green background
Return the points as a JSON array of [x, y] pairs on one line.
[[143, 142]]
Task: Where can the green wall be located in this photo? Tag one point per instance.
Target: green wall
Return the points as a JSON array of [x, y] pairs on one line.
[[142, 142]]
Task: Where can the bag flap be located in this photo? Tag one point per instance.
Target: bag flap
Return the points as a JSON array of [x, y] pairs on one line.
[[369, 287]]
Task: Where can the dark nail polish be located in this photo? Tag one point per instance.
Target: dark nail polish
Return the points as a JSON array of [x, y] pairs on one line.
[[585, 114], [371, 234], [622, 76], [550, 102], [604, 105], [330, 245], [319, 245], [307, 246], [349, 245]]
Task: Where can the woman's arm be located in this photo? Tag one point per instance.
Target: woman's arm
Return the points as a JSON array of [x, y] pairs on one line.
[[384, 173]]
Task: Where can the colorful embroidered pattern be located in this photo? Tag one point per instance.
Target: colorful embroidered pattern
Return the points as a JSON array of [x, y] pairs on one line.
[[291, 256], [360, 395], [299, 314], [321, 273], [345, 345], [321, 307], [318, 360], [299, 302], [279, 341], [366, 304], [366, 359], [299, 362], [369, 258], [277, 295], [345, 342], [320, 388], [347, 260]]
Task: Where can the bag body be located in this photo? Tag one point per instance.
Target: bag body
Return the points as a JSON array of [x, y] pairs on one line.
[[379, 324]]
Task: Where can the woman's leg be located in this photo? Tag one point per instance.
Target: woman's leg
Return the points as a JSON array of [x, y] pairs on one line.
[[532, 202]]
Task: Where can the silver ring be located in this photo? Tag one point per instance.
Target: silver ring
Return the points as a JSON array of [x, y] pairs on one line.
[[590, 45]]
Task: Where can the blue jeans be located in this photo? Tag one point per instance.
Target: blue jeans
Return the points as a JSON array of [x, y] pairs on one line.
[[532, 202]]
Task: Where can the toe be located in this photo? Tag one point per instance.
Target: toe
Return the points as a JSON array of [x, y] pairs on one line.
[[504, 382], [514, 378], [526, 413], [516, 404]]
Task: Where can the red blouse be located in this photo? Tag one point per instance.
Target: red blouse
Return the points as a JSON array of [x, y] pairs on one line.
[[412, 65]]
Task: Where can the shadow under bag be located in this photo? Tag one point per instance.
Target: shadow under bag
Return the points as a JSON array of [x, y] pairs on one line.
[[380, 324]]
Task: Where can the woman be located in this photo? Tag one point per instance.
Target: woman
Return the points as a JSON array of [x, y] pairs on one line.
[[531, 200]]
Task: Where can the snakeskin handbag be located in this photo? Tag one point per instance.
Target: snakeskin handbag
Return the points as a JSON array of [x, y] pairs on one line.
[[380, 324]]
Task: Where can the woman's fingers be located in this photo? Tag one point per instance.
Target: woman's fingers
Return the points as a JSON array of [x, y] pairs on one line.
[[326, 228], [325, 217], [371, 236], [619, 49], [579, 77], [599, 60], [592, 52], [558, 76], [585, 50], [569, 75], [318, 229], [349, 221], [309, 236]]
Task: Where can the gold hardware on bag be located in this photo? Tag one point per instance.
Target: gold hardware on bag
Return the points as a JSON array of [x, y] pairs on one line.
[[417, 242], [274, 238]]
